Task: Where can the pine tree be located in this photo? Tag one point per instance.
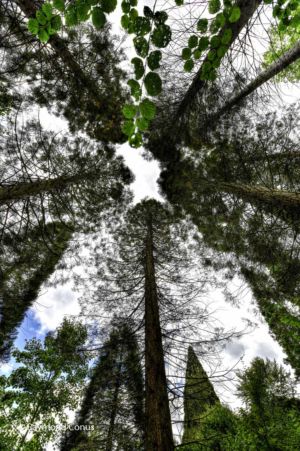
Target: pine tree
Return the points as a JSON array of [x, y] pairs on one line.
[[28, 262], [113, 404], [199, 396], [89, 94], [148, 272]]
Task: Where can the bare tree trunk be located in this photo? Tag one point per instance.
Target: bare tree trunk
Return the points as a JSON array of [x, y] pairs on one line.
[[248, 8], [158, 419], [22, 190], [285, 202], [275, 68]]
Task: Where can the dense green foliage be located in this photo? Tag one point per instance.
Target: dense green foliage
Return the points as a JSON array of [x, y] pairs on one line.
[[195, 95], [47, 380], [269, 421]]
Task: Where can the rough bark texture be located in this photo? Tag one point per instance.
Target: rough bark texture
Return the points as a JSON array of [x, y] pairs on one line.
[[22, 190], [278, 66], [247, 7], [158, 419]]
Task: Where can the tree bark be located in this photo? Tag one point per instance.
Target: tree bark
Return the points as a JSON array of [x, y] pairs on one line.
[[248, 8], [275, 68], [22, 190], [285, 202], [158, 419]]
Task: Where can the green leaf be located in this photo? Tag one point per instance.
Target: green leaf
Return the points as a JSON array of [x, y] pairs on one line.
[[235, 14], [108, 6], [214, 26], [133, 13], [128, 128], [214, 6], [227, 36], [71, 17], [138, 67], [160, 17], [203, 43], [43, 35], [148, 12], [33, 26], [222, 51], [129, 111], [161, 36], [83, 12], [220, 19], [202, 25], [56, 23], [141, 46], [141, 26], [147, 109], [186, 53], [42, 19], [153, 59], [98, 17], [133, 2], [142, 124], [136, 140], [136, 90], [47, 10], [153, 83], [125, 21], [193, 41], [197, 54], [125, 7], [188, 65], [215, 41], [59, 5], [212, 54], [179, 2]]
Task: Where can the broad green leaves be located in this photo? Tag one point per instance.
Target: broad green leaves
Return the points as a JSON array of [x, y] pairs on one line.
[[141, 46], [161, 36], [138, 67], [45, 24], [98, 18], [129, 111], [147, 109], [153, 84], [153, 59]]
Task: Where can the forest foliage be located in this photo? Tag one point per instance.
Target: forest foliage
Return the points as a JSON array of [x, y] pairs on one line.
[[201, 96]]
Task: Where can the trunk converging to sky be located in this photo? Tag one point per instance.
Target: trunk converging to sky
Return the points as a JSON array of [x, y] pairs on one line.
[[158, 419]]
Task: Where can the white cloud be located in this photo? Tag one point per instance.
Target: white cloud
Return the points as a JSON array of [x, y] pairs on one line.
[[51, 307]]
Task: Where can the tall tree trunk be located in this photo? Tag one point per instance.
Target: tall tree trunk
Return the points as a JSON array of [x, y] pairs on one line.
[[22, 190], [248, 8], [114, 409], [275, 68], [285, 202], [158, 419]]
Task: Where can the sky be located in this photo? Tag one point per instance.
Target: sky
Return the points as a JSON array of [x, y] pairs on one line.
[[54, 303]]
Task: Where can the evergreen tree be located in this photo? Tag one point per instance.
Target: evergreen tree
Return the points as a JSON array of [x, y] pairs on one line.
[[199, 395], [85, 86], [148, 273], [28, 262], [113, 404]]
